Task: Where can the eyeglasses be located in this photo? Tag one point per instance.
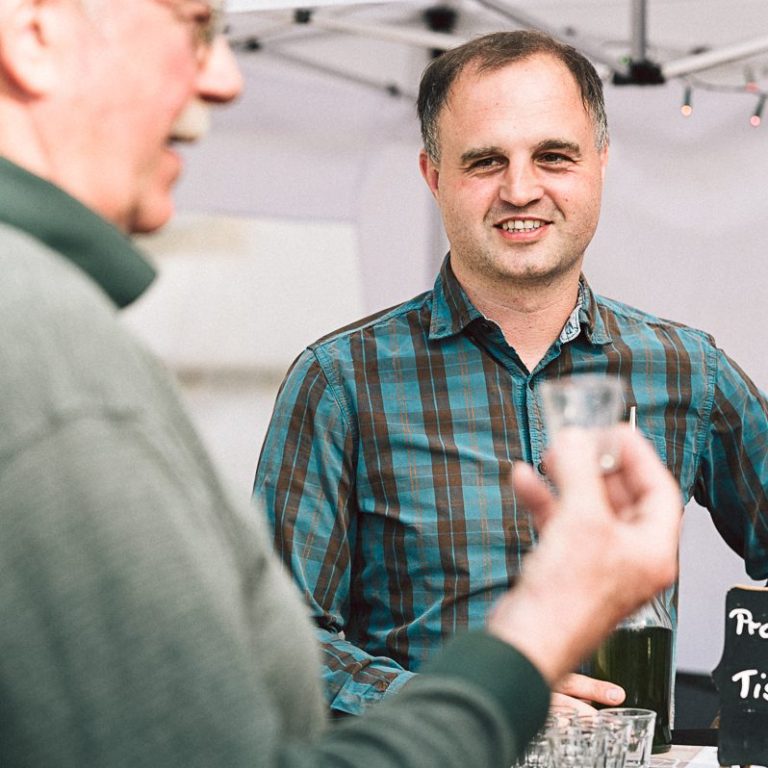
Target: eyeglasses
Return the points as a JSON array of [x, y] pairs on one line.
[[207, 17], [213, 23]]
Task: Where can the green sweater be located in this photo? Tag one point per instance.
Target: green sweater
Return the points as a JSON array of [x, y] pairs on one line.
[[145, 620]]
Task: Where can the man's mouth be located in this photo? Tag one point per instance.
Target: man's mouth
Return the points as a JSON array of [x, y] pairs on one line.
[[521, 225]]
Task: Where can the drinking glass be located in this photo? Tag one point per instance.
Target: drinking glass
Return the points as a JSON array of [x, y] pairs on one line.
[[590, 402], [574, 746], [612, 736], [640, 743], [538, 752]]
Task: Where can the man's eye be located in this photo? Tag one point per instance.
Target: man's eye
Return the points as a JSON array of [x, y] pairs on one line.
[[554, 158], [485, 162]]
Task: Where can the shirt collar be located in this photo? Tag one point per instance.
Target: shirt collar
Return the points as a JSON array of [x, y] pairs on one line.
[[590, 318], [452, 311], [572, 327], [49, 214]]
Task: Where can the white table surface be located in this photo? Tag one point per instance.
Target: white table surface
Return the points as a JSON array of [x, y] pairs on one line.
[[681, 756]]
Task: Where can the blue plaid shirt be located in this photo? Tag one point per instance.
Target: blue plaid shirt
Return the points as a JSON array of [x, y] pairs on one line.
[[385, 470]]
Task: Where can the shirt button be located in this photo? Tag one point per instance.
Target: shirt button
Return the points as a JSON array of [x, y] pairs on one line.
[[542, 467]]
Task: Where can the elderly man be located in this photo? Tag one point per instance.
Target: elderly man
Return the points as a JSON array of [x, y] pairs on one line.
[[146, 620], [386, 465]]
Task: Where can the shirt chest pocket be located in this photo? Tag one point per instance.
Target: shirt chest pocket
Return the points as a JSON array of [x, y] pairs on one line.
[[678, 457]]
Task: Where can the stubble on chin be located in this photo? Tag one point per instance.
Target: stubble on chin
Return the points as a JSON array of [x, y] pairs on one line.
[[516, 267]]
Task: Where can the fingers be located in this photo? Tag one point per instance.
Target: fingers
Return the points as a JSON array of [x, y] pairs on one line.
[[558, 700], [639, 485], [532, 493], [589, 689], [619, 497]]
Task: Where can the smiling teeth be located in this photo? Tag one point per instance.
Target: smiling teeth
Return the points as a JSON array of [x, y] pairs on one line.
[[518, 225]]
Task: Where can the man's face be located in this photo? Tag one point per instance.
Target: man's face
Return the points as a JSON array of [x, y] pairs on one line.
[[519, 178], [140, 66]]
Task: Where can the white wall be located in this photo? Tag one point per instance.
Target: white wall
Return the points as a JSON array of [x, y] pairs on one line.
[[682, 234], [236, 299]]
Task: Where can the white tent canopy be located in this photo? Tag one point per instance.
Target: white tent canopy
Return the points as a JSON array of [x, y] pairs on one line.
[[680, 37]]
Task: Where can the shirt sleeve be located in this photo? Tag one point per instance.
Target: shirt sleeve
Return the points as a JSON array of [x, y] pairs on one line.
[[732, 480], [305, 481], [472, 671]]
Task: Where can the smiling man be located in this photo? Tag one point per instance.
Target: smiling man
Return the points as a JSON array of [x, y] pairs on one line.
[[387, 462], [518, 171]]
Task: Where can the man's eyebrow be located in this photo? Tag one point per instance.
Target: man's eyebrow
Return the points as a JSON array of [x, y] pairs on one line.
[[548, 145], [479, 153], [558, 145]]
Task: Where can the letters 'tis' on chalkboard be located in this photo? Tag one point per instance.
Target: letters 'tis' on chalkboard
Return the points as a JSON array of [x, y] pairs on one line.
[[742, 679]]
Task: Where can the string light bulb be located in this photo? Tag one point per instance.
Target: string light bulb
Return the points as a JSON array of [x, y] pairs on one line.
[[686, 110], [750, 81], [757, 115]]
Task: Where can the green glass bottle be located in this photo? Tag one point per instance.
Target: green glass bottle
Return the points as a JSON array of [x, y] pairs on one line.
[[640, 661]]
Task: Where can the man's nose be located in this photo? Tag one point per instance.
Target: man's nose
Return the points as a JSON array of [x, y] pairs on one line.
[[220, 79], [521, 184]]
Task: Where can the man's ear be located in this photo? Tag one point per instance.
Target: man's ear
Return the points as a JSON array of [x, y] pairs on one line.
[[430, 172], [30, 36]]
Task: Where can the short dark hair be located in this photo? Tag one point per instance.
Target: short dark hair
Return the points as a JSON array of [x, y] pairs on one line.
[[492, 52]]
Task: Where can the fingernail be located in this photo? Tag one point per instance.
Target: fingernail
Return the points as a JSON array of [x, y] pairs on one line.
[[615, 694]]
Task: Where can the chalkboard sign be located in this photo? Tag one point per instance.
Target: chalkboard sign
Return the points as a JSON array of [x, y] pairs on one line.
[[742, 679]]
